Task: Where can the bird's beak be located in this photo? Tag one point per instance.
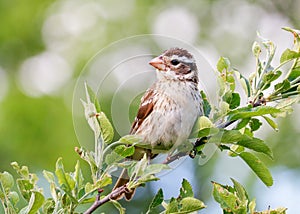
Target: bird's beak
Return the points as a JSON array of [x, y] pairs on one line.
[[158, 63]]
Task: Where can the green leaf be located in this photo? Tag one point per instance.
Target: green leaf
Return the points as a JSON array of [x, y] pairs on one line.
[[106, 128], [226, 136], [223, 63], [36, 201], [119, 153], [295, 73], [22, 171], [254, 124], [256, 49], [235, 150], [282, 86], [103, 181], [207, 131], [48, 206], [240, 191], [186, 189], [65, 180], [205, 122], [289, 55], [190, 204], [285, 106], [118, 206], [148, 174], [139, 168], [90, 115], [257, 145], [258, 167], [25, 187], [131, 140], [252, 206], [7, 181], [172, 206], [91, 96], [244, 83], [251, 112], [268, 78], [156, 201], [206, 104], [49, 176], [244, 122], [124, 151], [78, 177], [233, 99], [13, 197], [228, 201], [155, 168], [112, 158], [271, 123]]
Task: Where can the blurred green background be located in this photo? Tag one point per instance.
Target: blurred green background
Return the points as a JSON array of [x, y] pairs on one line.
[[44, 46]]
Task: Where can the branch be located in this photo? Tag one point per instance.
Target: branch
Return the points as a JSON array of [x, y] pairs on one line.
[[111, 196], [170, 159], [198, 142]]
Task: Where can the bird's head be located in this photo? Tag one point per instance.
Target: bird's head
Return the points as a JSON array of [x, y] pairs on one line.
[[176, 64]]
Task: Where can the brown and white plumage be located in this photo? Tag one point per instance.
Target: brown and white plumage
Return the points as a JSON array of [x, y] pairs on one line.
[[170, 107]]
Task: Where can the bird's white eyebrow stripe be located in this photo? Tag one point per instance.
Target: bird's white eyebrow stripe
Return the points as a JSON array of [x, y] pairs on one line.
[[183, 59]]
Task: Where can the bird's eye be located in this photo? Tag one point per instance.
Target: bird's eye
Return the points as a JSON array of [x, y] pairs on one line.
[[174, 62]]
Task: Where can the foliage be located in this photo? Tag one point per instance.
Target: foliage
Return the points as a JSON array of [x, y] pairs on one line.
[[271, 92]]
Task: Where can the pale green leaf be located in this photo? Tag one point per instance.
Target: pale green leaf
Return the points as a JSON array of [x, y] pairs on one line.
[[207, 131], [256, 49], [7, 181], [252, 206], [49, 176], [118, 206], [289, 55], [124, 151], [106, 128], [190, 204], [172, 206], [228, 200], [91, 96], [131, 140], [235, 150], [25, 187], [103, 181], [223, 63], [240, 191], [244, 83], [35, 203], [252, 112], [205, 122], [271, 122], [65, 180], [13, 197]]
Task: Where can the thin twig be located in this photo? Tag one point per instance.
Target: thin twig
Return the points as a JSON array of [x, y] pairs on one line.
[[111, 196], [175, 157]]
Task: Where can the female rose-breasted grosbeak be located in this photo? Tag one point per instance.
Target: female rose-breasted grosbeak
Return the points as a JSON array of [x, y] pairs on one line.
[[169, 108]]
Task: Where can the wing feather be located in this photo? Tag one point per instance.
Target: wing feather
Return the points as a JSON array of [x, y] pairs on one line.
[[145, 109]]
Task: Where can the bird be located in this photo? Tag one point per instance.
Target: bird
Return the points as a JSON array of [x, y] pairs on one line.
[[168, 109]]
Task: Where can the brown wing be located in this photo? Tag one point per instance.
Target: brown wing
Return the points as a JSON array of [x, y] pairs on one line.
[[146, 107]]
